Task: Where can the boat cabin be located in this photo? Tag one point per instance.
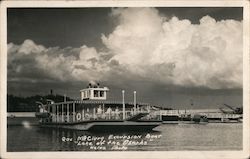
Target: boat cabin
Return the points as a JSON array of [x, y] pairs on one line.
[[94, 92]]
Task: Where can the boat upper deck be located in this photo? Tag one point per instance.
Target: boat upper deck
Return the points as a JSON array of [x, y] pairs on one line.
[[98, 102]]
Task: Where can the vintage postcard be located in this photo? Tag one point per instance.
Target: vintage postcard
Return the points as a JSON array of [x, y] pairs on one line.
[[125, 79]]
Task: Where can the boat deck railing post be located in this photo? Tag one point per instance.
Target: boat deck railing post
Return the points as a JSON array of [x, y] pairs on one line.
[[56, 113], [73, 113], [94, 116], [83, 114], [123, 105], [62, 113], [67, 112], [135, 102], [160, 113]]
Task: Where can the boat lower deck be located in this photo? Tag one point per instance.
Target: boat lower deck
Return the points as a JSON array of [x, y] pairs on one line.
[[106, 125]]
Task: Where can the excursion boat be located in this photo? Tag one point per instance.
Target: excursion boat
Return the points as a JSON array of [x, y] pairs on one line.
[[95, 113]]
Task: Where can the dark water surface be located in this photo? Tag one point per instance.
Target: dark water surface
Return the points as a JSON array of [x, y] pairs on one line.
[[212, 136]]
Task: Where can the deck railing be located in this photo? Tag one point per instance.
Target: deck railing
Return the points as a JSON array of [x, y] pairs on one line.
[[66, 112]]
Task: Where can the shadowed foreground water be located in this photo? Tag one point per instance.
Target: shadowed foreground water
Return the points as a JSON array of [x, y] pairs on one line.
[[212, 136]]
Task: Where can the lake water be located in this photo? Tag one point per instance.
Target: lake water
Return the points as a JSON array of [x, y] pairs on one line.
[[167, 137]]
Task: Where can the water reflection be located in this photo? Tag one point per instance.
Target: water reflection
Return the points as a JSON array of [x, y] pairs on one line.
[[167, 138]]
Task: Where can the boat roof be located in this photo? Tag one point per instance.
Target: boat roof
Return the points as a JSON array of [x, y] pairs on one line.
[[98, 102], [95, 88]]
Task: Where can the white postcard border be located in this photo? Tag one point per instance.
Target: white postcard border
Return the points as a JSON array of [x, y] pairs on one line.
[[135, 154]]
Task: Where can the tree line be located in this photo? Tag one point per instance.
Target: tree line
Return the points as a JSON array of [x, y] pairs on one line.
[[28, 104]]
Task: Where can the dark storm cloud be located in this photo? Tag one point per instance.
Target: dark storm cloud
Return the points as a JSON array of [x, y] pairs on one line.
[[68, 51], [23, 66]]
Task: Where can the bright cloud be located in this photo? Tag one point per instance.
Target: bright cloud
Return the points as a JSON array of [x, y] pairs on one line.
[[177, 52], [144, 45]]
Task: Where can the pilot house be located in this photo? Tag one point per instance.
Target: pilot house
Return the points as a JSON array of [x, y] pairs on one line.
[[94, 92]]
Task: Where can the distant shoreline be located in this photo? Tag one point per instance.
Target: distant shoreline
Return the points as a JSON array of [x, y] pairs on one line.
[[21, 114]]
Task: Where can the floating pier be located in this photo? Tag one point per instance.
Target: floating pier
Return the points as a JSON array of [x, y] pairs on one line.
[[199, 115]]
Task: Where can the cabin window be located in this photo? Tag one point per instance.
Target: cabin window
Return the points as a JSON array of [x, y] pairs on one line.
[[101, 93], [95, 93]]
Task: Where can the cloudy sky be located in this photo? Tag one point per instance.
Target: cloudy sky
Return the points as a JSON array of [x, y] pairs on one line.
[[171, 56]]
